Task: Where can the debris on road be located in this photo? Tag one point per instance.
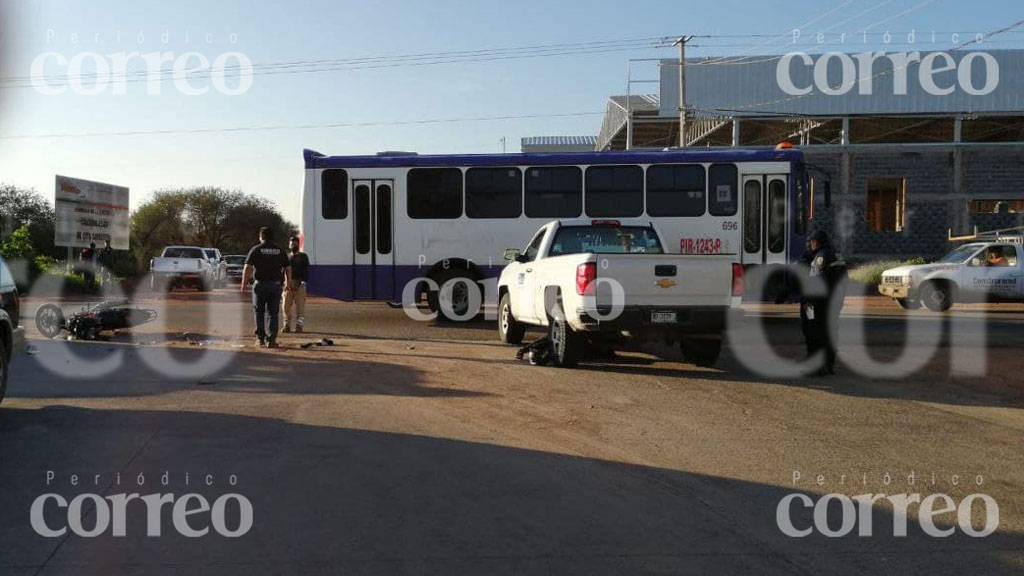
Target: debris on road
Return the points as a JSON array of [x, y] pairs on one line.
[[537, 353], [320, 342]]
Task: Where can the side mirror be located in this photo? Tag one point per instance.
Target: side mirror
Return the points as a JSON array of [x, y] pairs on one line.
[[975, 262], [511, 254]]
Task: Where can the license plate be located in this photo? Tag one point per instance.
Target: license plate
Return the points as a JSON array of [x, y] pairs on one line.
[[663, 317]]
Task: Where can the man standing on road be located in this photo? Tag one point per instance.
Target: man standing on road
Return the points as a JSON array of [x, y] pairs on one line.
[[88, 259], [268, 264], [819, 315], [295, 291], [106, 260]]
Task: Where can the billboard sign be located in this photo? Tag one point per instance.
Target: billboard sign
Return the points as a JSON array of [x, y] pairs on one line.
[[90, 212]]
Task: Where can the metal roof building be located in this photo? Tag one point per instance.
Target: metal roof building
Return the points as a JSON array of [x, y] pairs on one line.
[[558, 144], [902, 146]]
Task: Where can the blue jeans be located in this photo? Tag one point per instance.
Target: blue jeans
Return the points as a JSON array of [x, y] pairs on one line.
[[266, 301]]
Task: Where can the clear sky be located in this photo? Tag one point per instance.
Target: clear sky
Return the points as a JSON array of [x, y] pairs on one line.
[[392, 91]]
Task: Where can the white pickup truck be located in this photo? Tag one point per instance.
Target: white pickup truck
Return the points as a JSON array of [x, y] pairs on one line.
[[180, 265], [587, 280], [989, 271]]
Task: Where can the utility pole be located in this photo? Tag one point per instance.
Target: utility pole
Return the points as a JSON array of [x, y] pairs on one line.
[[681, 42]]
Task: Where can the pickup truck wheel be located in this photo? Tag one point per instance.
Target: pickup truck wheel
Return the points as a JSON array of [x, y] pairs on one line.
[[908, 304], [510, 329], [703, 353], [937, 297], [566, 345], [3, 370]]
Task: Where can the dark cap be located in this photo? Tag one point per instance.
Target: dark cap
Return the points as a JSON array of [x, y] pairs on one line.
[[294, 239], [820, 236]]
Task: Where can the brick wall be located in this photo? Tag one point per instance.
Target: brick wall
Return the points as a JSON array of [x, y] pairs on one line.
[[932, 204]]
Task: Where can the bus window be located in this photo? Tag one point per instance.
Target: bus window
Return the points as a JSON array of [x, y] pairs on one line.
[[362, 216], [615, 191], [722, 197], [384, 219], [334, 195], [803, 200], [554, 192], [434, 193], [752, 217], [776, 216], [494, 193], [676, 190]]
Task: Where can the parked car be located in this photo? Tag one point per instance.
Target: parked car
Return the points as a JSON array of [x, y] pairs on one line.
[[988, 271], [181, 265], [12, 334], [554, 282], [220, 268], [235, 265]]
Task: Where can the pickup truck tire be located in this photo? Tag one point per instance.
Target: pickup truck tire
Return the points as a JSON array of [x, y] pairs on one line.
[[4, 368], [566, 345], [908, 304], [937, 296], [510, 330], [701, 352]]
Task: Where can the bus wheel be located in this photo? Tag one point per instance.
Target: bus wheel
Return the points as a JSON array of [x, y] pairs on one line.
[[459, 305], [510, 330]]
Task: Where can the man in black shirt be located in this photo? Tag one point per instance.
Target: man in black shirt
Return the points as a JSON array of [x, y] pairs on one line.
[[268, 264], [295, 291]]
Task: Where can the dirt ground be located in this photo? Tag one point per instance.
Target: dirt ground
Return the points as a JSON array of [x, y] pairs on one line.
[[412, 447]]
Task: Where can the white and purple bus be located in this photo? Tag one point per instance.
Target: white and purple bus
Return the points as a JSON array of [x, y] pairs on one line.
[[373, 225]]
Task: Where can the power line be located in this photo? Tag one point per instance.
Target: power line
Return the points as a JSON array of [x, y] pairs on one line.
[[804, 25], [297, 126], [422, 59]]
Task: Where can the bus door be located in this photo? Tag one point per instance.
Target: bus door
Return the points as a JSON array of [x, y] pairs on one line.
[[765, 205], [373, 244]]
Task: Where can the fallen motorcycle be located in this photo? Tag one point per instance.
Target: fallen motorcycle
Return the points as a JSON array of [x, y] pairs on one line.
[[87, 323]]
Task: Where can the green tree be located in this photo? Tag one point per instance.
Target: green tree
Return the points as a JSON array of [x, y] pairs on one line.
[[157, 223], [18, 246], [25, 207], [203, 216]]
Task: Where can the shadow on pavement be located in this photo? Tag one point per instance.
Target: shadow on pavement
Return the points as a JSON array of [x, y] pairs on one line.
[[342, 501], [62, 369]]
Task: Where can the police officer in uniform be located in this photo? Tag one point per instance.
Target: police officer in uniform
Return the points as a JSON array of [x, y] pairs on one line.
[[269, 265], [819, 314]]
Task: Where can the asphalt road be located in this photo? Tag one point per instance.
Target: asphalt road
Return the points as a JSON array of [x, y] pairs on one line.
[[422, 448]]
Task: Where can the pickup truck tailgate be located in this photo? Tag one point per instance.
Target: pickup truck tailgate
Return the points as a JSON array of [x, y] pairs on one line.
[[666, 280]]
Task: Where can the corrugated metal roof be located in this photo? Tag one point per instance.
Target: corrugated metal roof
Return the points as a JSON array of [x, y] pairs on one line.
[[559, 141], [639, 103]]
